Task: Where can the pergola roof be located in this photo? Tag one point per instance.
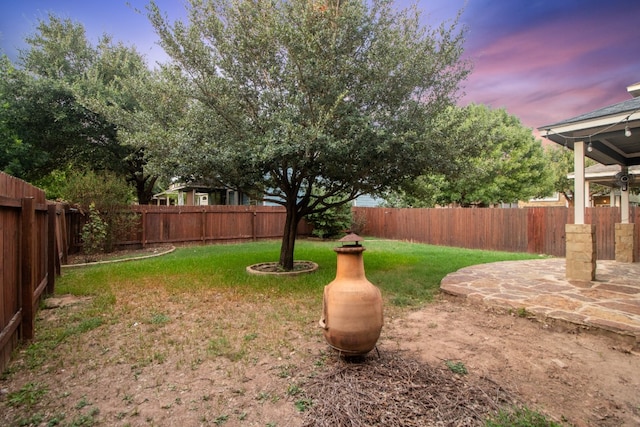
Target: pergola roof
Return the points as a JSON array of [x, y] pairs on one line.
[[605, 130]]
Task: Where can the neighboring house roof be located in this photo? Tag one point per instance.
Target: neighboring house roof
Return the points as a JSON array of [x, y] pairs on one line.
[[197, 186], [612, 132]]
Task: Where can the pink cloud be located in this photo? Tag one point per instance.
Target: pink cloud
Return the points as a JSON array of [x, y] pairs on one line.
[[555, 71]]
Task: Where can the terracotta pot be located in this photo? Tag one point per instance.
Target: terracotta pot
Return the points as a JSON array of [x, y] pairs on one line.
[[352, 306]]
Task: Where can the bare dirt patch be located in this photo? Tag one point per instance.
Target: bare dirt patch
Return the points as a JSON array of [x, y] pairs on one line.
[[223, 357], [118, 255], [582, 378]]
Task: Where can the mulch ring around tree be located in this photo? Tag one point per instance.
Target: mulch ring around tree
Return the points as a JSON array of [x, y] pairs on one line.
[[274, 268], [394, 389]]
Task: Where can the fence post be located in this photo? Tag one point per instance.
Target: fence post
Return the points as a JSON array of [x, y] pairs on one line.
[[535, 230], [144, 228], [52, 252], [65, 240], [28, 217], [204, 226], [254, 236]]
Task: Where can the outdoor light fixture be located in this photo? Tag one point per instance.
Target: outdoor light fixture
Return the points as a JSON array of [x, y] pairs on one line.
[[627, 131], [590, 147]]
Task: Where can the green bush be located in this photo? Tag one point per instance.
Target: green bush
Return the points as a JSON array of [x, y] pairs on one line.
[[109, 194], [94, 234], [332, 222]]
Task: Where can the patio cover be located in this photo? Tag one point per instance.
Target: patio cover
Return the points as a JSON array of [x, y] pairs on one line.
[[605, 130], [609, 135]]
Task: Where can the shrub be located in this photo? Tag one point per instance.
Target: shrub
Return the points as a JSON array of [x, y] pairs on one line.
[[331, 222], [94, 234], [358, 222], [109, 194]]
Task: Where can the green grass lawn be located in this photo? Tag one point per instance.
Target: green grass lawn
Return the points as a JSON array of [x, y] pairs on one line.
[[408, 274], [153, 324]]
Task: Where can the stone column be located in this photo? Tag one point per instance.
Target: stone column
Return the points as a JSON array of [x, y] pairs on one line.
[[624, 234], [581, 252]]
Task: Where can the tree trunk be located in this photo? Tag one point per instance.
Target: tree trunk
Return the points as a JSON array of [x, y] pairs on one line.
[[144, 188], [289, 238]]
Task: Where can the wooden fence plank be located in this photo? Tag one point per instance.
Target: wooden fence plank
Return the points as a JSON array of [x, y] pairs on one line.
[[52, 253], [27, 257], [9, 280]]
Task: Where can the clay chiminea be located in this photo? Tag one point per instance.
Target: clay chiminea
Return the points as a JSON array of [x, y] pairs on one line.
[[352, 306]]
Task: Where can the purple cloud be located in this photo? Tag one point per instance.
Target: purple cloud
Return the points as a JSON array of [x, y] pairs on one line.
[[558, 68]]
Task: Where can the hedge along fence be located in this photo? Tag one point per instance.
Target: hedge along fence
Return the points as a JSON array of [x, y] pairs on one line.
[[33, 241], [534, 230]]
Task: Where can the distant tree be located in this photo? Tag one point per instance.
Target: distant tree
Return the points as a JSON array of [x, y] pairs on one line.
[[16, 157], [306, 100], [421, 192], [332, 222], [560, 162], [498, 160], [105, 89], [46, 125], [45, 113]]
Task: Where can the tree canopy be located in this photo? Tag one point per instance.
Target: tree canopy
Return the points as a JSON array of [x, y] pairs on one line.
[[303, 101], [44, 112], [499, 161]]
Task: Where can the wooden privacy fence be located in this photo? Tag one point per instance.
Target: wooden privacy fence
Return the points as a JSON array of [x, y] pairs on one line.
[[206, 224], [533, 230], [31, 233]]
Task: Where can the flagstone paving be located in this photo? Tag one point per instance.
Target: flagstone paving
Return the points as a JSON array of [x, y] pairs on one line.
[[610, 303]]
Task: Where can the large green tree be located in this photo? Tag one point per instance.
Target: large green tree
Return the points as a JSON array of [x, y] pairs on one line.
[[498, 161], [106, 89], [48, 125], [306, 100], [45, 109]]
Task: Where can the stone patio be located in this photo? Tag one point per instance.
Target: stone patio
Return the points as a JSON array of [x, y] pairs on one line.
[[609, 303]]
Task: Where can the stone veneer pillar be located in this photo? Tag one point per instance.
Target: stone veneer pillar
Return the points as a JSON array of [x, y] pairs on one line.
[[624, 234], [581, 252]]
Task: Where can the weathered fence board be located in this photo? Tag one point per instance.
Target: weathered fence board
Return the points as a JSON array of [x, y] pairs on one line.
[[535, 230]]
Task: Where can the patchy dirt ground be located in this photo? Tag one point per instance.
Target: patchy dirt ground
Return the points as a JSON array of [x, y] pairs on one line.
[[218, 358], [583, 379], [118, 255]]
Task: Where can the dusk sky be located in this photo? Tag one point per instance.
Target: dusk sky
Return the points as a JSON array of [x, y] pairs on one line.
[[542, 60]]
